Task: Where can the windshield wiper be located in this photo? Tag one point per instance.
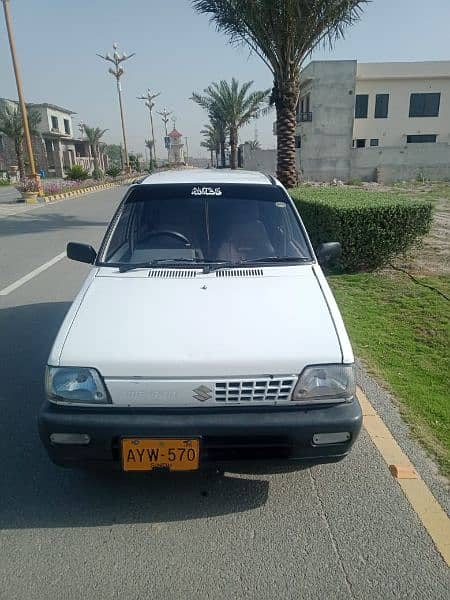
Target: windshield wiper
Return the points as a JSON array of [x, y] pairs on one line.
[[217, 265], [157, 261]]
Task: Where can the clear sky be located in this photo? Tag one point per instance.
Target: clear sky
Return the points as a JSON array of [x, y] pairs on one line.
[[177, 52]]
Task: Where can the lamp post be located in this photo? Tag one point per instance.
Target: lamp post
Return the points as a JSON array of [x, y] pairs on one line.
[[23, 108], [149, 97], [116, 59], [186, 158], [165, 114]]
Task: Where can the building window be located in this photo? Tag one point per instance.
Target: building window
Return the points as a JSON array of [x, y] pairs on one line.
[[360, 143], [55, 124], [67, 126], [381, 106], [421, 139], [2, 146], [361, 106], [298, 141], [424, 105], [374, 142]]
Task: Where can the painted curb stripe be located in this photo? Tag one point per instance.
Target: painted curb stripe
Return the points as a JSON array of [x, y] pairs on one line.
[[7, 290], [424, 504]]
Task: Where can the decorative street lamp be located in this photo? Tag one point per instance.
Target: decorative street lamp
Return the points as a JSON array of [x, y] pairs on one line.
[[149, 97], [23, 108], [116, 59], [165, 114]]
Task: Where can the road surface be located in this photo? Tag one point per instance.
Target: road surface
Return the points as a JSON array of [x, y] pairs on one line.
[[339, 531]]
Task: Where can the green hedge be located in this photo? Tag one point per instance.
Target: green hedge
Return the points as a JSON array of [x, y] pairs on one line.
[[371, 226]]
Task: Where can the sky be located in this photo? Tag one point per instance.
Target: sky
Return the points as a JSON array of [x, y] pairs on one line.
[[178, 52]]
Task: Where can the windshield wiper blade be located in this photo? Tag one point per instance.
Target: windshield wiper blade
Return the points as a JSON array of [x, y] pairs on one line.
[[153, 263], [279, 259]]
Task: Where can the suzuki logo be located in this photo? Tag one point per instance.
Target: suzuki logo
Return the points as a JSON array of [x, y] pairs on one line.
[[202, 393]]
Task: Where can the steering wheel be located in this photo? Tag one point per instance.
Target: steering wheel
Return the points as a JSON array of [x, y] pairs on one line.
[[174, 234]]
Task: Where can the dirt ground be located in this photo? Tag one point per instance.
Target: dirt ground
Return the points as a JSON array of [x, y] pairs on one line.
[[432, 256]]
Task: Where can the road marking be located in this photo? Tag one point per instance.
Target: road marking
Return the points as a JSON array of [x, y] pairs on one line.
[[424, 504], [10, 288]]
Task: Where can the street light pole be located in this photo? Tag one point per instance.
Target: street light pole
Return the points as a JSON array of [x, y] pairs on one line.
[[165, 114], [23, 108], [187, 150], [149, 97], [117, 72]]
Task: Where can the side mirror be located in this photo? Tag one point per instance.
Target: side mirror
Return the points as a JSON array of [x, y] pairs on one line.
[[328, 253], [81, 252]]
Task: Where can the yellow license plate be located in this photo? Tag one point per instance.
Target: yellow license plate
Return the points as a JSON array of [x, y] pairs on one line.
[[141, 454]]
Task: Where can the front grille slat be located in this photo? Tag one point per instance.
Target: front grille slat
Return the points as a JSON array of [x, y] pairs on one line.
[[248, 391]]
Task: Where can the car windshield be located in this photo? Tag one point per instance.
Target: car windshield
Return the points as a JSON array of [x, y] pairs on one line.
[[203, 224]]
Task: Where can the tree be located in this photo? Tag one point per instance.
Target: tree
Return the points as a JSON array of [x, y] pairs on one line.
[[94, 135], [211, 141], [11, 125], [114, 153], [283, 33], [149, 144], [253, 144], [233, 106]]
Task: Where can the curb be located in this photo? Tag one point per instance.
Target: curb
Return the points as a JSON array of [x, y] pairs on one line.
[[88, 190]]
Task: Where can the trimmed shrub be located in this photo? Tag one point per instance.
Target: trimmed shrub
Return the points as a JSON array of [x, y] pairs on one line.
[[371, 226], [113, 171], [77, 173]]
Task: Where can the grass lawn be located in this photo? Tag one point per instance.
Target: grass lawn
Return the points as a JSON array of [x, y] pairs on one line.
[[401, 330]]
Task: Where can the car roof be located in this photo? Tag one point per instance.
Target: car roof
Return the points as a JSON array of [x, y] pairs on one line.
[[213, 176]]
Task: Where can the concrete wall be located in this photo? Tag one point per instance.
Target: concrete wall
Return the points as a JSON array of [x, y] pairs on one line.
[[263, 160], [399, 163], [326, 141]]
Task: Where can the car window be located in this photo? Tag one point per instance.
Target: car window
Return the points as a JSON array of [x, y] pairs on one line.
[[236, 223]]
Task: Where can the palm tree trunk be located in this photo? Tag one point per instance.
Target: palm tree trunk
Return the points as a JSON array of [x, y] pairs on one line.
[[19, 154], [222, 153], [286, 97], [233, 147], [212, 157], [95, 157]]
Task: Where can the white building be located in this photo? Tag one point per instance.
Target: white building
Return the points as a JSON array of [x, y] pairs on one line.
[[372, 121]]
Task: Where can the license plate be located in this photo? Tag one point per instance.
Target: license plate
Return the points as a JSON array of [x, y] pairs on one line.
[[141, 454]]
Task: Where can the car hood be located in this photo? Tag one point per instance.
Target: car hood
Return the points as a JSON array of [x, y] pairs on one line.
[[274, 320]]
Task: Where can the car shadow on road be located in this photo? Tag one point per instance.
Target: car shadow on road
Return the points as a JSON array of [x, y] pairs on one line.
[[35, 493]]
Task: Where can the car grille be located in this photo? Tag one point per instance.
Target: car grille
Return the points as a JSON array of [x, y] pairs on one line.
[[244, 391]]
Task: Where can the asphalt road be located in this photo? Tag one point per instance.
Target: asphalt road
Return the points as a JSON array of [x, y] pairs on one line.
[[330, 532]]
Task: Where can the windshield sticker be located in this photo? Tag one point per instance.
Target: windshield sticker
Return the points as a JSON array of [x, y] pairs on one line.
[[206, 191], [280, 204]]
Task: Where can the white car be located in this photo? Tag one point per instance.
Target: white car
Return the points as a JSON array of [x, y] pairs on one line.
[[204, 334]]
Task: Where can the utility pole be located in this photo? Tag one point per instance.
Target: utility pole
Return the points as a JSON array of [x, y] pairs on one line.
[[116, 59], [187, 150], [149, 97], [23, 108], [165, 114]]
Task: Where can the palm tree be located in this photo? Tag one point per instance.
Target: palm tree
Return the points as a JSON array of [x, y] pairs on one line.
[[253, 144], [283, 33], [234, 107], [94, 135], [11, 125], [211, 141], [149, 144]]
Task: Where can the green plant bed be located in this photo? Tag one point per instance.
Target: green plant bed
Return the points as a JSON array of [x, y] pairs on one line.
[[402, 331], [371, 226]]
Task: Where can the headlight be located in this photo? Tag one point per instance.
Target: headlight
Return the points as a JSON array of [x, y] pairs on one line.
[[325, 383], [75, 384]]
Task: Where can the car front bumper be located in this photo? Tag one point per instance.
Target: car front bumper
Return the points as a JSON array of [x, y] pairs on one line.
[[227, 436]]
